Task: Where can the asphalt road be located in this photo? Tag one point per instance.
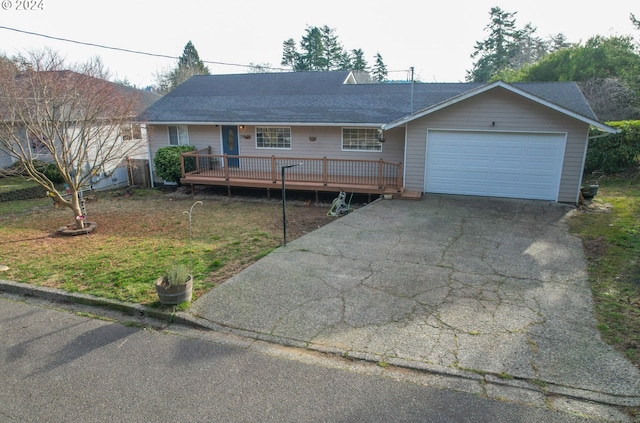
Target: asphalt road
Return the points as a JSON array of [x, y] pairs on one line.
[[58, 366]]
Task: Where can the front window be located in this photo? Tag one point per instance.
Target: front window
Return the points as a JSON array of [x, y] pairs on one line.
[[130, 132], [178, 135], [360, 139], [273, 138]]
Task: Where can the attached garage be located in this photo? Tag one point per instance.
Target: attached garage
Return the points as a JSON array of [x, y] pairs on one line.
[[524, 141], [495, 164]]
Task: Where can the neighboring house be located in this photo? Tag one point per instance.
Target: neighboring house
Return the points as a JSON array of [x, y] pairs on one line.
[[129, 138], [525, 140]]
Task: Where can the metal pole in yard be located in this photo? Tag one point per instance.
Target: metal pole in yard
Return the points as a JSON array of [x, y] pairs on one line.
[[284, 204]]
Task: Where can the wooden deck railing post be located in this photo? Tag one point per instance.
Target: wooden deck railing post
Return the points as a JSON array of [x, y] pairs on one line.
[[210, 159], [324, 171], [357, 175], [274, 172], [196, 157]]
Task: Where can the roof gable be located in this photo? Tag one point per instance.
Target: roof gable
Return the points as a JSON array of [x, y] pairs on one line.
[[565, 98]]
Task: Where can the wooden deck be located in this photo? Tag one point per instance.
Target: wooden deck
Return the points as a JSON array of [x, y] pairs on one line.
[[304, 174]]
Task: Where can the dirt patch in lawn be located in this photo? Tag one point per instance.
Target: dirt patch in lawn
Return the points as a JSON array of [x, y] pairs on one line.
[[142, 232]]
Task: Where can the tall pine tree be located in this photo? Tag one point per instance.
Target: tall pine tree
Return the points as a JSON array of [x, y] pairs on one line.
[[496, 52], [320, 50], [189, 64], [379, 71]]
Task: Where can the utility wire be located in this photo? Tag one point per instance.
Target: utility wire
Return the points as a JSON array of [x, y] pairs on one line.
[[125, 50], [117, 48]]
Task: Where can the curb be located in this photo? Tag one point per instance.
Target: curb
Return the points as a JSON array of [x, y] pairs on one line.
[[132, 309], [188, 319]]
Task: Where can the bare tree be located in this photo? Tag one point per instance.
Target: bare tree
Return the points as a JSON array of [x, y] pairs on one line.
[[69, 116], [610, 98]]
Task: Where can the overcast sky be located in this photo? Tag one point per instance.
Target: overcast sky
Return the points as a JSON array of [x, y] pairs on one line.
[[435, 38]]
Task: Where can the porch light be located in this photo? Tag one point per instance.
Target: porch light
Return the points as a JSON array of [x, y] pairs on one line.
[[243, 132]]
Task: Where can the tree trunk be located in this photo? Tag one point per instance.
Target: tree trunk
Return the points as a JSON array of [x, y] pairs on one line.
[[77, 210]]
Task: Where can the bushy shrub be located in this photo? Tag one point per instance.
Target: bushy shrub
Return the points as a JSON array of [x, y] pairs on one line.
[[616, 152], [167, 162], [52, 173], [50, 170]]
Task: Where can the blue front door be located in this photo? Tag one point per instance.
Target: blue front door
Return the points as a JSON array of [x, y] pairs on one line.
[[230, 144]]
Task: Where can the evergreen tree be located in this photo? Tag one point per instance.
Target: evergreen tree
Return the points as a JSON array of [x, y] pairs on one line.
[[335, 55], [320, 50], [379, 69], [290, 55], [528, 49], [189, 64], [358, 62], [498, 49], [313, 56], [558, 42], [190, 61], [634, 21]]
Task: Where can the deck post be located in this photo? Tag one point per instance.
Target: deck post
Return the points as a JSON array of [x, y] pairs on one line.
[[226, 166], [274, 172], [324, 171], [182, 165], [380, 173], [399, 181]]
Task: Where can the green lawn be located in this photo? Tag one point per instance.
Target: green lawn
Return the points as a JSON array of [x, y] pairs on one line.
[[610, 229], [141, 235], [13, 183]]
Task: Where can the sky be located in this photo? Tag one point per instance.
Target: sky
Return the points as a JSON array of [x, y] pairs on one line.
[[435, 39]]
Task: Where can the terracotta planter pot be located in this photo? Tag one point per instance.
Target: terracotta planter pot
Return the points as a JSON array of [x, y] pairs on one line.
[[175, 294]]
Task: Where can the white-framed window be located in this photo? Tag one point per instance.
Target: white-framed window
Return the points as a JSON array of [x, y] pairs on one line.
[[130, 131], [178, 135], [273, 137], [360, 139]]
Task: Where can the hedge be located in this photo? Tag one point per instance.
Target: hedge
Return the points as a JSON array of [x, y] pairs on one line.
[[615, 153], [167, 162]]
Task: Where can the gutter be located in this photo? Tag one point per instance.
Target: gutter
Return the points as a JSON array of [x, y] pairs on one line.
[[146, 133]]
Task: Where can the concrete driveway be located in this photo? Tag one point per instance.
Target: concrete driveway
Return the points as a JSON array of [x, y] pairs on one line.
[[479, 288]]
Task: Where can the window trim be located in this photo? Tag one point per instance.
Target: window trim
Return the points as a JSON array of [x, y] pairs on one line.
[[258, 147], [185, 132], [360, 150]]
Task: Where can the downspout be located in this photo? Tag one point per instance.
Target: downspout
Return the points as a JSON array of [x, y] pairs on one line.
[[146, 134]]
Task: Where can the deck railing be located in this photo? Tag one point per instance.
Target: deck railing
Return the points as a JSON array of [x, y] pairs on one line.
[[378, 174]]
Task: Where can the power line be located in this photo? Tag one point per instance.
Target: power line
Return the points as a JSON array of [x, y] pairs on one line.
[[125, 50]]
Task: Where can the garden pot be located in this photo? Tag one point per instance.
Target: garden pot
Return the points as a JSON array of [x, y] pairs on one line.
[[175, 294], [590, 191]]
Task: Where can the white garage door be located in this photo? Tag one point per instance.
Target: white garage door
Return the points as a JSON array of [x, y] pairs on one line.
[[494, 164]]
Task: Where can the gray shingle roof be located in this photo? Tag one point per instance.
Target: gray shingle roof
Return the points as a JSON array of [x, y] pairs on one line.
[[322, 98]]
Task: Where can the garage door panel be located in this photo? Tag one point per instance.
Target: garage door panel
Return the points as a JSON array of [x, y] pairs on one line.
[[497, 164]]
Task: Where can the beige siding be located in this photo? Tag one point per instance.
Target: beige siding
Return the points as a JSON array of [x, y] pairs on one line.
[[510, 112], [328, 143]]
